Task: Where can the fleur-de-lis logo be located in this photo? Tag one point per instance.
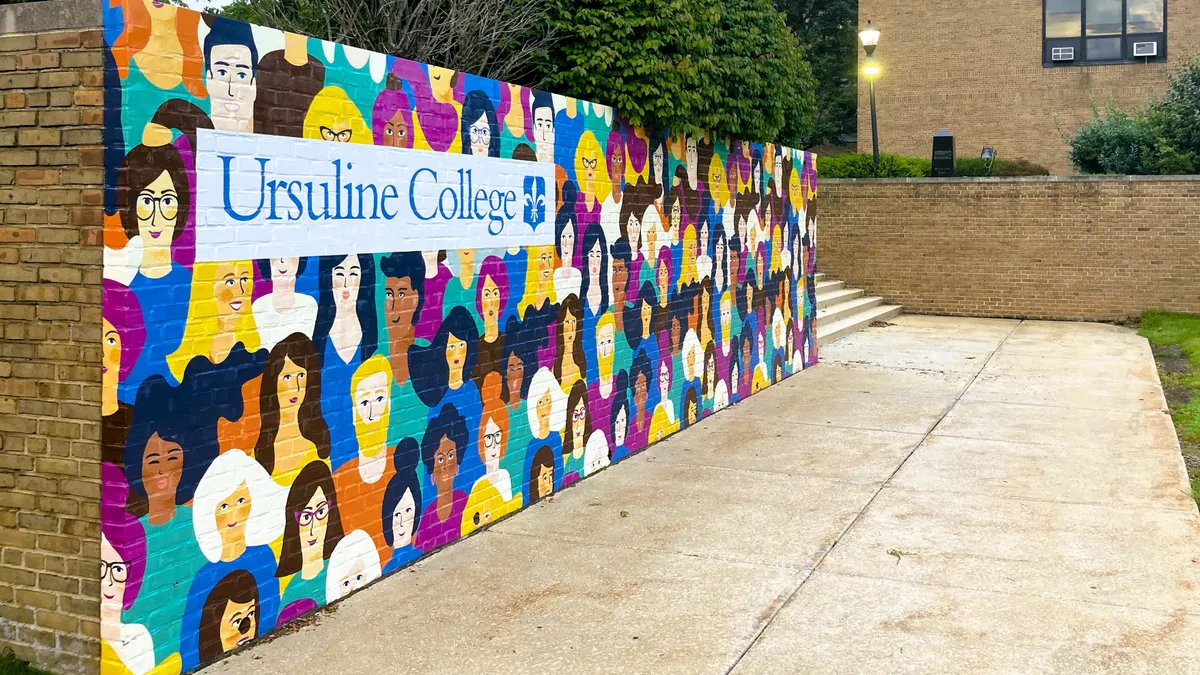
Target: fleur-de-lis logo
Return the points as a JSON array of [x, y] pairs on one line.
[[535, 201]]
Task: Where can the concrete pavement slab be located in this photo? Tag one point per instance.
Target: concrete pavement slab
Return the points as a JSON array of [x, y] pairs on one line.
[[840, 624], [1065, 391], [1134, 557], [1121, 371], [726, 514], [899, 337], [856, 455], [1019, 423], [920, 359], [504, 604], [852, 377], [855, 409], [1147, 478]]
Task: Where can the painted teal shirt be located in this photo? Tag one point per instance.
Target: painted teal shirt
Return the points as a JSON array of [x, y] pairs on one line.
[[172, 560]]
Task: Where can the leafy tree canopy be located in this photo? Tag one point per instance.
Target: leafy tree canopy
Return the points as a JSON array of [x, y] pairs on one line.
[[829, 29], [729, 66]]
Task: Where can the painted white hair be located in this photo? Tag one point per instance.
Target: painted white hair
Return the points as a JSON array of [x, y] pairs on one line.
[[691, 345], [720, 396], [543, 381], [354, 547], [267, 502], [595, 453]]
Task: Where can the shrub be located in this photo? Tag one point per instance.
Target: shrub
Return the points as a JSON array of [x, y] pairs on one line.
[[1164, 139], [862, 165], [974, 166]]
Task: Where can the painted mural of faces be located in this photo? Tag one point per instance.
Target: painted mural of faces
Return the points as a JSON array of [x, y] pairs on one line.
[[641, 391], [291, 387], [566, 245], [514, 370], [110, 353], [162, 468], [114, 573], [157, 208], [620, 426], [371, 399], [445, 464], [692, 156], [313, 521], [726, 317], [283, 270], [231, 87], [354, 564], [456, 356], [658, 160], [232, 515], [664, 379], [481, 136], [595, 257], [492, 443], [647, 316], [604, 342], [441, 83], [543, 133], [490, 300], [232, 289], [396, 132], [230, 615], [347, 277], [545, 480], [403, 517], [401, 301], [620, 281]]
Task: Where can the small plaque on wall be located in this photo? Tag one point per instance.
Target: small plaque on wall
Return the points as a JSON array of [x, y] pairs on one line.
[[943, 155]]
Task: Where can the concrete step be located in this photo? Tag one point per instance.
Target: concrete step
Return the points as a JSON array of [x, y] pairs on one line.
[[854, 322], [819, 276], [834, 297], [826, 286], [843, 309]]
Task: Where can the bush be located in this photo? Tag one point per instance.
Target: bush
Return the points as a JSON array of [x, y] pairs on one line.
[[974, 166], [1164, 139], [862, 165]]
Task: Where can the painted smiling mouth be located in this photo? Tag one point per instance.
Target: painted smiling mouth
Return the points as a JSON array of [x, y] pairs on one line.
[[155, 235], [244, 641], [235, 305], [312, 542], [233, 107], [108, 597], [232, 524], [103, 369], [293, 399]]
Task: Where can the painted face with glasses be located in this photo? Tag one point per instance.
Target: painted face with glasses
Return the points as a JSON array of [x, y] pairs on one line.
[[157, 212], [492, 442], [481, 136], [313, 520]]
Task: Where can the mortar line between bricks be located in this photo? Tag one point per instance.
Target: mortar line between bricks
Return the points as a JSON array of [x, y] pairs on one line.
[[808, 574]]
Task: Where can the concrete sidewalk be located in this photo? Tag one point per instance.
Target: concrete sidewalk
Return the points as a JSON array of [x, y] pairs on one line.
[[940, 495]]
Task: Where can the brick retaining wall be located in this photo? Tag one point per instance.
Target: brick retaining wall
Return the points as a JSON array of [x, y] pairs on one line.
[[51, 173], [1053, 248]]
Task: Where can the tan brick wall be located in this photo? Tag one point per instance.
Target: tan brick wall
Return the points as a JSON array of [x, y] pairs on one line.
[[1069, 248], [975, 67], [51, 177]]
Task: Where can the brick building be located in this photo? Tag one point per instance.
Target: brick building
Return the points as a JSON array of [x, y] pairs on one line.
[[1018, 76]]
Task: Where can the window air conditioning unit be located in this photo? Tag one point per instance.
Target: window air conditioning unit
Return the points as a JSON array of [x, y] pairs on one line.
[[1062, 54], [1145, 49]]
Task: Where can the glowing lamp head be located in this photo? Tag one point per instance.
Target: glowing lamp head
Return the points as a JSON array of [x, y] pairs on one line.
[[871, 67], [869, 36]]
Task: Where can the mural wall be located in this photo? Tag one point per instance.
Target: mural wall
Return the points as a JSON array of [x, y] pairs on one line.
[[322, 361]]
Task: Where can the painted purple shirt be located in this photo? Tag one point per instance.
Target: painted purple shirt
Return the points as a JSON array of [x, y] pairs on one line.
[[431, 312], [436, 533]]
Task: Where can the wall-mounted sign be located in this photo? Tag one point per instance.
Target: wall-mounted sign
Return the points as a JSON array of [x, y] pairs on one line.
[[262, 196]]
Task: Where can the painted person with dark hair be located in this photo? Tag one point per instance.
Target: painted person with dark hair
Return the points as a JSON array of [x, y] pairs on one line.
[[442, 451], [402, 514], [230, 67], [594, 291], [641, 381], [491, 296], [578, 430], [619, 418], [346, 334], [480, 128], [570, 364], [404, 295], [311, 530], [155, 203], [293, 432], [288, 80], [542, 476], [163, 464], [442, 377], [230, 617], [122, 336]]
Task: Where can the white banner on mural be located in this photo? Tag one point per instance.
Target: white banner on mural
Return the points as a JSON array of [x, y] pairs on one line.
[[261, 196]]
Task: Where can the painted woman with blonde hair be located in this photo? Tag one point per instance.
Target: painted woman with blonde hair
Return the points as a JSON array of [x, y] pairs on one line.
[[539, 307], [334, 117], [361, 482], [219, 315], [594, 185]]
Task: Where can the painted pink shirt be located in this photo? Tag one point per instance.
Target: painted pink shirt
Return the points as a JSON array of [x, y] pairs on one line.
[[435, 533]]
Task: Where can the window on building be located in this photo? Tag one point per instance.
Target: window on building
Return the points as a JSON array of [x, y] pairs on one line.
[[1097, 32]]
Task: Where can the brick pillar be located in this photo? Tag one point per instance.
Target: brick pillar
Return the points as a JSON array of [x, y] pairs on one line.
[[51, 218]]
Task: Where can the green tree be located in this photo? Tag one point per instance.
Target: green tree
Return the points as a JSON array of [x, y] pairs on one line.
[[240, 10], [730, 66], [1178, 115], [829, 29]]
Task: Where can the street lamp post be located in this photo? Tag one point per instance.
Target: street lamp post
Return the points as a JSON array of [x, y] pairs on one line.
[[869, 36]]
